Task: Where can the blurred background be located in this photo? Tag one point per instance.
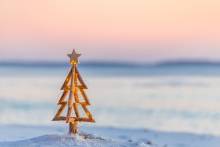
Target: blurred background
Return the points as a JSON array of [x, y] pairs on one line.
[[148, 64]]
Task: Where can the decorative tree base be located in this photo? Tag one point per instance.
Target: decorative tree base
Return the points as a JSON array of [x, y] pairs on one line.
[[73, 129]]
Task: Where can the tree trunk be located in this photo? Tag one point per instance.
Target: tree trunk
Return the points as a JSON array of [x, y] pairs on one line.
[[73, 128]]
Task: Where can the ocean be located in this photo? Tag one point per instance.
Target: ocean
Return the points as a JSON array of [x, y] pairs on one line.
[[182, 98]]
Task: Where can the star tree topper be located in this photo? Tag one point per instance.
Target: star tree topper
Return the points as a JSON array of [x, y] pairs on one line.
[[74, 57]]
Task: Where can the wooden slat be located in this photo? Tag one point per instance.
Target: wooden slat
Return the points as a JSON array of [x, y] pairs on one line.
[[67, 79], [72, 119], [76, 95], [85, 96], [76, 109], [60, 118], [70, 100], [81, 80], [87, 111], [69, 111], [81, 87], [83, 103], [75, 86], [63, 97], [84, 119], [61, 109]]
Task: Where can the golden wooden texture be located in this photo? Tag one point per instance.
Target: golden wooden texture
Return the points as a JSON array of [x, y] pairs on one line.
[[72, 85]]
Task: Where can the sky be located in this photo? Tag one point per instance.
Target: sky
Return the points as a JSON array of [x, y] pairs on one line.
[[122, 30]]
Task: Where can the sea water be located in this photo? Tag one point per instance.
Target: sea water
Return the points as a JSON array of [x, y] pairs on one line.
[[185, 98]]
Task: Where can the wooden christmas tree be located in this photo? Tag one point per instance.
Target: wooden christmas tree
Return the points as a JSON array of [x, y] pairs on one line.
[[73, 87]]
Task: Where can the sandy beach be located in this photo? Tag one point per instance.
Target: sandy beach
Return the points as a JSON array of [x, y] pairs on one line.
[[56, 136]]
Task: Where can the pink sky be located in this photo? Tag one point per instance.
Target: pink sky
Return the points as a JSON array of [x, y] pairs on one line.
[[140, 30]]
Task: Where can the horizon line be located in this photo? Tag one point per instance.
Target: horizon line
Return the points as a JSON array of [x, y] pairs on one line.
[[99, 63]]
